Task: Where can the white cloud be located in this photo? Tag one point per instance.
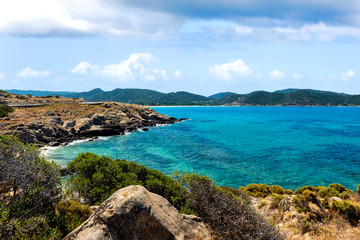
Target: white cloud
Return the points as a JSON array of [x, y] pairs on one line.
[[83, 67], [138, 67], [346, 76], [231, 70], [276, 74], [177, 74], [297, 76], [82, 17], [28, 72], [2, 75]]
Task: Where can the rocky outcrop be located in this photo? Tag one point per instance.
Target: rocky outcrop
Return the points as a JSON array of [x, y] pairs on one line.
[[135, 213], [59, 124]]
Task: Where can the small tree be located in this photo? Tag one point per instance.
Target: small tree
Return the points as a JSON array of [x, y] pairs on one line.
[[27, 180]]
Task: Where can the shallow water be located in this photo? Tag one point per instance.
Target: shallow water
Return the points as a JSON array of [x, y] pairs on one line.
[[235, 146]]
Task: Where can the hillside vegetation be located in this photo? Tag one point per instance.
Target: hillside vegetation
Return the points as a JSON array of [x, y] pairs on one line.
[[286, 97]]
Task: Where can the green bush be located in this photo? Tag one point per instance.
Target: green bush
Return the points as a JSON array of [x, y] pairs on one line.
[[310, 196], [229, 216], [327, 192], [21, 97], [275, 201], [29, 188], [300, 203], [350, 210], [302, 189], [96, 178], [263, 190], [338, 187], [69, 215], [5, 110]]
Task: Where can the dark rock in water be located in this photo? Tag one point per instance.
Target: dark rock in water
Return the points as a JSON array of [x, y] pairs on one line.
[[145, 129], [135, 213]]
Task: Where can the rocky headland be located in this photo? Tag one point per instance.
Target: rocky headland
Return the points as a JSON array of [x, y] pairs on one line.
[[58, 123]]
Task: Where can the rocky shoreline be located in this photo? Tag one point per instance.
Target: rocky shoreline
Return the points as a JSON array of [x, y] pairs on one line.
[[60, 124]]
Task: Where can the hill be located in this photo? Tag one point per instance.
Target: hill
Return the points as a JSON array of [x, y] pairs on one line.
[[143, 97], [39, 93], [293, 97], [221, 95], [286, 97]]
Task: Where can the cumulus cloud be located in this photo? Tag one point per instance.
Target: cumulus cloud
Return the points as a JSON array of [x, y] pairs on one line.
[[138, 67], [346, 76], [81, 17], [28, 72], [230, 71], [83, 67], [291, 20], [276, 74]]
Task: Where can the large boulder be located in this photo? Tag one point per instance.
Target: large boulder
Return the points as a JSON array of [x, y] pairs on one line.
[[135, 213]]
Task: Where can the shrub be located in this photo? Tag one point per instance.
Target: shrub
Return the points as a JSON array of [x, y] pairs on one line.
[[300, 203], [263, 190], [229, 216], [310, 196], [5, 110], [29, 188], [346, 195], [338, 187], [96, 178], [69, 215], [302, 189], [275, 201], [350, 210], [21, 97], [327, 192]]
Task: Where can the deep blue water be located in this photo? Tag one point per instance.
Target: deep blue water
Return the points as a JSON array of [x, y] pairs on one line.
[[236, 146]]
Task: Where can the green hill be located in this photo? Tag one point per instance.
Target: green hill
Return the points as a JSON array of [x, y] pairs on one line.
[[143, 97], [293, 97], [221, 95]]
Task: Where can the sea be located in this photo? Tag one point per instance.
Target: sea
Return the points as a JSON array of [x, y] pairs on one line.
[[236, 146]]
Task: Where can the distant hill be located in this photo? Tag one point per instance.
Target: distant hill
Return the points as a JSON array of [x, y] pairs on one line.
[[286, 97], [143, 97], [39, 93], [291, 97], [221, 95]]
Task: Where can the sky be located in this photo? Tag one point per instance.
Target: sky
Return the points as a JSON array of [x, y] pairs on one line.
[[203, 47]]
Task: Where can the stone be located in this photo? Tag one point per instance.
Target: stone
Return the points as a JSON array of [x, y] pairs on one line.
[[135, 213]]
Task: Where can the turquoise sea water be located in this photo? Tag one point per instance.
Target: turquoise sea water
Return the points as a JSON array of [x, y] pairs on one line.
[[236, 146]]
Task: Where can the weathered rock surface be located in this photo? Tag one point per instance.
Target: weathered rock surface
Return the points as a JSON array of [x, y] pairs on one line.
[[135, 213], [58, 124]]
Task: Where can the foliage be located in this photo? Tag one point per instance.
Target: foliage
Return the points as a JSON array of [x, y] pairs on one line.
[[275, 201], [96, 178], [350, 210], [263, 190], [29, 186], [302, 189], [228, 215], [300, 203], [5, 110], [69, 215], [21, 97], [310, 196]]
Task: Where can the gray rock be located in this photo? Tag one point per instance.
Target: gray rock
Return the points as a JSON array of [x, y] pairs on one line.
[[135, 213]]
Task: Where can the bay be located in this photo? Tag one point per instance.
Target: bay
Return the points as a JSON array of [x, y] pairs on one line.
[[236, 146]]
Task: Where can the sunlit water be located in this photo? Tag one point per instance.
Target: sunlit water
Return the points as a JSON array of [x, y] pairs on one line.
[[235, 146]]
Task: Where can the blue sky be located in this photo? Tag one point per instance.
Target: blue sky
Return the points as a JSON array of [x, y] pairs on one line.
[[199, 46]]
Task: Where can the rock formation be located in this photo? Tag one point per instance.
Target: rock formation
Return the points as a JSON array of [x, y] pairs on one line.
[[135, 213], [61, 123]]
